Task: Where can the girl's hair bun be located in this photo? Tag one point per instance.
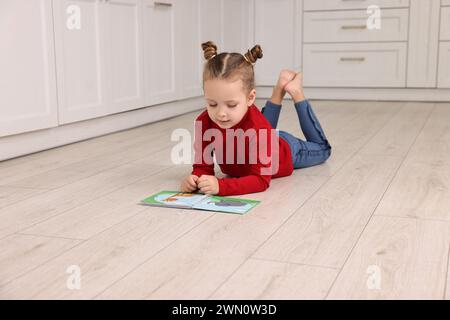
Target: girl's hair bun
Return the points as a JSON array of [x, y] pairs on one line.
[[209, 50], [253, 54]]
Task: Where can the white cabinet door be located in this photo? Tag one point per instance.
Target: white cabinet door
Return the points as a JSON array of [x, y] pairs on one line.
[[80, 59], [274, 31], [444, 65], [188, 51], [159, 52], [423, 43], [125, 69], [445, 24], [211, 22], [237, 16], [27, 70]]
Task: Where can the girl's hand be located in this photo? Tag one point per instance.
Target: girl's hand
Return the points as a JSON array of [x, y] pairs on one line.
[[189, 183], [208, 184]]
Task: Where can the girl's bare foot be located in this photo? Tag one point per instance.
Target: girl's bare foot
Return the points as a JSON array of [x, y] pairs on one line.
[[278, 91], [295, 88], [285, 77]]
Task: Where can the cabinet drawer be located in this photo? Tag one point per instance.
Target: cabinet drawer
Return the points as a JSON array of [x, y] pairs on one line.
[[315, 5], [355, 65], [446, 2], [445, 23], [351, 26], [444, 65]]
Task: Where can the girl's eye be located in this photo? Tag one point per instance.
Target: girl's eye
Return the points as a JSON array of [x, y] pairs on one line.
[[230, 106]]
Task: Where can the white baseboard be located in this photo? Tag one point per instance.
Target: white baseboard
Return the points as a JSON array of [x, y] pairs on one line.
[[30, 142]]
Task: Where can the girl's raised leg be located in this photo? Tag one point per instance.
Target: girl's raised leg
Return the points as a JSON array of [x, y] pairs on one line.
[[272, 113], [309, 123], [273, 106], [316, 149]]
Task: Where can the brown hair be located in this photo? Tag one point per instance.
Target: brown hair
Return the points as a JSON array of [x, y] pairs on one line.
[[231, 65]]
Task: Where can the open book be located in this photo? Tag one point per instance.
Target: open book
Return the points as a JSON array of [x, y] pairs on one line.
[[175, 199]]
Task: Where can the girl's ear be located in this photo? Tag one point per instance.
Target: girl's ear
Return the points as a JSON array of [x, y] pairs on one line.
[[251, 98]]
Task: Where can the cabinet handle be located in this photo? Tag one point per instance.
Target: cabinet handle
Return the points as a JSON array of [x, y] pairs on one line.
[[360, 27], [164, 4], [353, 59]]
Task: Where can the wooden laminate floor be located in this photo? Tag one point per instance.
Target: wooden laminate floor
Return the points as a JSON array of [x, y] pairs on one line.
[[373, 222]]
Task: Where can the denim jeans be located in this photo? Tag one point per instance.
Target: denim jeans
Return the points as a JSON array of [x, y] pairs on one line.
[[316, 149]]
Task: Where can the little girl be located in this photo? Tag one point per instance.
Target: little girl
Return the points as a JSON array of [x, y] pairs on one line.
[[229, 87]]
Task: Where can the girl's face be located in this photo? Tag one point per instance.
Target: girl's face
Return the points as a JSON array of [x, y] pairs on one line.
[[227, 102]]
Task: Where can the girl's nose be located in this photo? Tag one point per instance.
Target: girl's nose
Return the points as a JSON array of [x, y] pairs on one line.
[[222, 113]]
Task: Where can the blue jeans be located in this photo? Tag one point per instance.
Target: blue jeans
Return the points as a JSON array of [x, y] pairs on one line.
[[316, 149]]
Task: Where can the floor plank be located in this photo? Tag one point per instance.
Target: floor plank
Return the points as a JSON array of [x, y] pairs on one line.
[[104, 259], [324, 230], [396, 258], [419, 190], [65, 175], [433, 144], [421, 187], [19, 254], [270, 280], [41, 207], [400, 132], [352, 137], [10, 195], [87, 220], [447, 286]]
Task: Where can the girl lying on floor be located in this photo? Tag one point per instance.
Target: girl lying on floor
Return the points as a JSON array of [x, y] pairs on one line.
[[229, 88]]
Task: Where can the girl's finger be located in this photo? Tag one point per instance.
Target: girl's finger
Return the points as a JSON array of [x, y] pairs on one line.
[[202, 184], [192, 184]]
